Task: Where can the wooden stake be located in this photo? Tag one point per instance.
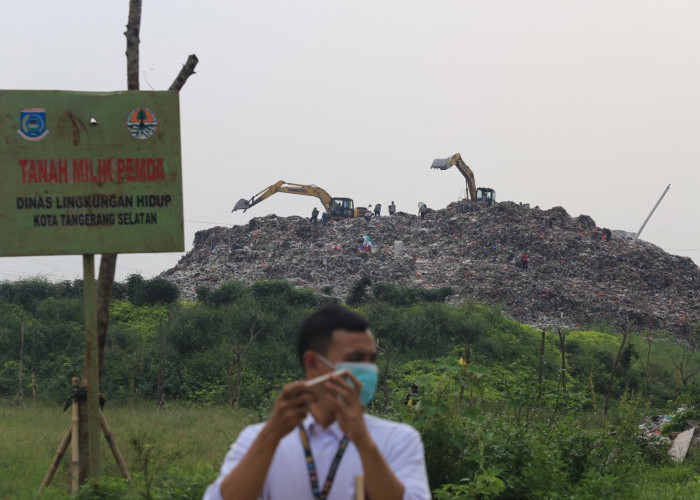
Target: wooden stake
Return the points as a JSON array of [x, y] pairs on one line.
[[56, 459], [75, 465], [118, 457]]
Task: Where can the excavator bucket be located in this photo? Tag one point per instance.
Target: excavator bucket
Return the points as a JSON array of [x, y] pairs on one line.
[[441, 163], [242, 204]]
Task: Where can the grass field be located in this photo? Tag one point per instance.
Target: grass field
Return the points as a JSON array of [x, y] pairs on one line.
[[176, 452], [159, 446]]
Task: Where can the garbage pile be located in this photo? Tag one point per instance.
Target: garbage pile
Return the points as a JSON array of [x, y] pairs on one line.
[[544, 267]]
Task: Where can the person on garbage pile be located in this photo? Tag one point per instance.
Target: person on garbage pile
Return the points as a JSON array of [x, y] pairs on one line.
[[314, 215], [367, 215], [392, 209], [367, 243], [422, 209], [523, 260], [314, 447], [325, 217], [378, 209]]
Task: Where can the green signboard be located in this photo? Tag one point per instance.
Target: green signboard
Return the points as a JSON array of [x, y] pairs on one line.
[[90, 172]]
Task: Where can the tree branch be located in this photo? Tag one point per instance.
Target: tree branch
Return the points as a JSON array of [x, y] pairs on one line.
[[186, 71]]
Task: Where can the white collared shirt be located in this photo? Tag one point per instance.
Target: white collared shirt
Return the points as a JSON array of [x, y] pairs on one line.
[[288, 476]]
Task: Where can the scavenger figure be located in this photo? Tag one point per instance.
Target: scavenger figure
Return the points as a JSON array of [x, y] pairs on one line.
[[314, 215], [422, 209], [392, 208], [378, 209], [524, 260], [316, 442]]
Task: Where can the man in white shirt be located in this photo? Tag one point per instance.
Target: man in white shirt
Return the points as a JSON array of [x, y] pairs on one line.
[[315, 443]]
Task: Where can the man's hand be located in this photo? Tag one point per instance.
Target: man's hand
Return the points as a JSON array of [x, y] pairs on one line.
[[345, 399], [380, 480], [247, 479], [289, 410]]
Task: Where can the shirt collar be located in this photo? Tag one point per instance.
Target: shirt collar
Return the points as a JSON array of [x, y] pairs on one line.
[[314, 428]]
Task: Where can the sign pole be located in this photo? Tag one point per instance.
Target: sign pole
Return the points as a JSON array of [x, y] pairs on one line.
[[91, 364]]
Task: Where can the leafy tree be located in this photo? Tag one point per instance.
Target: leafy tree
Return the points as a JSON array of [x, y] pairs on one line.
[[358, 291], [160, 291], [154, 291], [29, 292], [228, 293]]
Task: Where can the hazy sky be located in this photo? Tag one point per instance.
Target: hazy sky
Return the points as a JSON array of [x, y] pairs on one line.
[[590, 105]]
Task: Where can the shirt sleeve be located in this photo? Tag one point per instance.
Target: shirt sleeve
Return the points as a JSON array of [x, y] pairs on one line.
[[235, 454], [405, 456], [413, 472]]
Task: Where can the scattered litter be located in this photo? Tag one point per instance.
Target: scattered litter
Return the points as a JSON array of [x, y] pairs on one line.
[[680, 446]]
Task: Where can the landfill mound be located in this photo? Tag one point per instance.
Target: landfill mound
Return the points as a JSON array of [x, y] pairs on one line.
[[574, 277]]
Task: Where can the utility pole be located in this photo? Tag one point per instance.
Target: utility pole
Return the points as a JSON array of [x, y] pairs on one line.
[[651, 213]]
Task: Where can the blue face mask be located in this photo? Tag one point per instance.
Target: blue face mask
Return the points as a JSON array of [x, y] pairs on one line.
[[366, 373]]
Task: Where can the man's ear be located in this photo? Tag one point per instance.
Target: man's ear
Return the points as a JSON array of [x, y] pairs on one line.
[[310, 363]]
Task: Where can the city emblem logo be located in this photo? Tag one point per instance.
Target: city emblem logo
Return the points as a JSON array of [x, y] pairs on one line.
[[32, 124], [141, 123]]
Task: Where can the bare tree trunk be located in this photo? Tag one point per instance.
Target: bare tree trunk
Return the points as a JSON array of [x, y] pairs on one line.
[[105, 281], [239, 379], [108, 262], [593, 398], [647, 370], [234, 388], [540, 369], [161, 356], [20, 389], [133, 40], [625, 336], [132, 382], [385, 376], [230, 386], [562, 348]]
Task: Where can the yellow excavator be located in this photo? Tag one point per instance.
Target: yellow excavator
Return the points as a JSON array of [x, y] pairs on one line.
[[337, 207], [482, 195]]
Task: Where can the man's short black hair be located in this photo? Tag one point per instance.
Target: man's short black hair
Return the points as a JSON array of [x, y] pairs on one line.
[[317, 330]]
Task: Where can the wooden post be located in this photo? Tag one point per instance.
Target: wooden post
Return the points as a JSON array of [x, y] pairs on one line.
[[360, 487], [75, 443], [91, 365]]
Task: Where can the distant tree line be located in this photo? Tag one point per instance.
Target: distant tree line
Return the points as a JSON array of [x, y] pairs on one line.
[[235, 344]]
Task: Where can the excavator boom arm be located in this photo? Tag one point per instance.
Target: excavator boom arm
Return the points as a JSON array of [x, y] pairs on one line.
[[285, 187], [456, 161]]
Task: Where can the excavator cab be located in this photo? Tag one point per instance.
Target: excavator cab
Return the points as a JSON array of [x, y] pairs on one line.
[[486, 196], [342, 207]]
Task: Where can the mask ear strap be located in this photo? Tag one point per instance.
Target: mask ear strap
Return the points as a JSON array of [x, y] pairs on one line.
[[324, 360]]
